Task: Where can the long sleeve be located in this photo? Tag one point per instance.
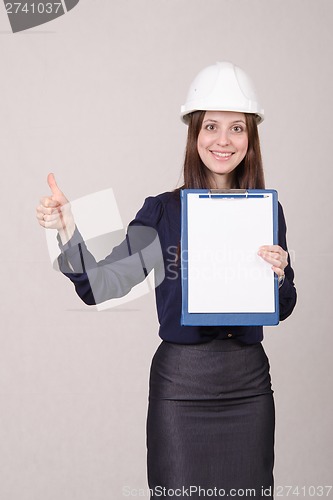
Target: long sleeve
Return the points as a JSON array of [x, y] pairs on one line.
[[287, 292], [127, 265]]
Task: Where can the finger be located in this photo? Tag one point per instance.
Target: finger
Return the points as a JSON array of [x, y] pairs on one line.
[[274, 255], [47, 201], [52, 225], [276, 251], [271, 260], [45, 225], [275, 258], [271, 248], [46, 210], [278, 271], [52, 217], [53, 185], [40, 215]]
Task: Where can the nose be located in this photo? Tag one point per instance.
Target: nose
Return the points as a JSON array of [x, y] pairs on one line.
[[223, 139]]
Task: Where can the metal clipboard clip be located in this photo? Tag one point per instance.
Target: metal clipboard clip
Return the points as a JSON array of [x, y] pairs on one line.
[[228, 193]]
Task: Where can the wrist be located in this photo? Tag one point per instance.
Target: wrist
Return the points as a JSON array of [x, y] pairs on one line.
[[67, 232]]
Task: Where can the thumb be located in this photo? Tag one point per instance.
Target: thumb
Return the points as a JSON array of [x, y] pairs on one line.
[[53, 185], [57, 194]]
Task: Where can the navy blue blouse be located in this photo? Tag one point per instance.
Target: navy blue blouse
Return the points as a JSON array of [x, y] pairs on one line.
[[127, 265]]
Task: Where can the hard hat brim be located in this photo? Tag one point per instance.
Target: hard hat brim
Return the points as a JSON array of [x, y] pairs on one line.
[[185, 115]]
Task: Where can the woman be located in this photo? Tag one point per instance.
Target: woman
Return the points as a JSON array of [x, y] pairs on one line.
[[210, 425]]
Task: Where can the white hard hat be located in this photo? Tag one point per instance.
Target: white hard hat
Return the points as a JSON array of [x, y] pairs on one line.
[[222, 87]]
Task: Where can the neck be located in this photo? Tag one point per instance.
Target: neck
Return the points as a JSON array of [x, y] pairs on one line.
[[222, 181]]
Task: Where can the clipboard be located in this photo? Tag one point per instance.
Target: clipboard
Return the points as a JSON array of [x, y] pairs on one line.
[[224, 281]]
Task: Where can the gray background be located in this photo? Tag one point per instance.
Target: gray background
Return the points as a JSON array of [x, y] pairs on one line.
[[94, 96]]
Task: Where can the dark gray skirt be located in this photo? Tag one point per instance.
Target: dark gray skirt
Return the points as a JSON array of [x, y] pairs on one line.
[[210, 423]]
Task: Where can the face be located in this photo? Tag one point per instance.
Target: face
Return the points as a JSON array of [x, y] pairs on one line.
[[222, 144]]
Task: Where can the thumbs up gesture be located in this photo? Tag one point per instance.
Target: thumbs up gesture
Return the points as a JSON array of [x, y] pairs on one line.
[[54, 212], [57, 195]]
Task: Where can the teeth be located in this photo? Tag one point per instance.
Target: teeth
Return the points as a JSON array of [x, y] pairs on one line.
[[223, 155]]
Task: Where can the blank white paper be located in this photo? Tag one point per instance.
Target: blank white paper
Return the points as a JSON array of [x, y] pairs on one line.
[[225, 274]]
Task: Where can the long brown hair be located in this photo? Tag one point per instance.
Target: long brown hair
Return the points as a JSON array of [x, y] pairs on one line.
[[248, 175]]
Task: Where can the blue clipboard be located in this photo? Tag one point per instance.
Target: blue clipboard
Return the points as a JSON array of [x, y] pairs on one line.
[[224, 281]]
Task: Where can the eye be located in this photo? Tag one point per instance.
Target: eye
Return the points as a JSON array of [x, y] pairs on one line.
[[210, 127], [238, 128]]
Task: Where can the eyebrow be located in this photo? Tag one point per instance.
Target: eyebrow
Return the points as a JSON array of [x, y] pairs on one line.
[[215, 121]]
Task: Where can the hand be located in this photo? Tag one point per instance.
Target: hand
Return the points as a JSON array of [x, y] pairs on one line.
[[54, 212], [274, 254]]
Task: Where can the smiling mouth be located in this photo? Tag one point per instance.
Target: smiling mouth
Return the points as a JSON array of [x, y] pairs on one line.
[[218, 154]]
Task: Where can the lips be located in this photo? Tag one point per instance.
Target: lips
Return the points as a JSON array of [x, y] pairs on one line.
[[221, 155]]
